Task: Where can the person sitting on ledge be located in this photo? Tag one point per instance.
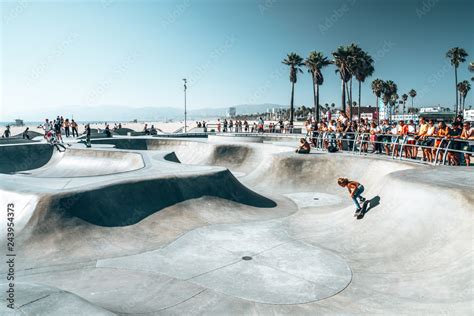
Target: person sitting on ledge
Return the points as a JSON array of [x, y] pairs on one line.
[[6, 133], [146, 130], [304, 147], [153, 130]]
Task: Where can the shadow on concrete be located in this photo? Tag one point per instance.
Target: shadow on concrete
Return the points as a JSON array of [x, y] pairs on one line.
[[128, 203], [373, 202]]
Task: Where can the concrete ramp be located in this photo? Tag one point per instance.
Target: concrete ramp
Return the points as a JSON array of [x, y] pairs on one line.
[[20, 157], [87, 163], [180, 236]]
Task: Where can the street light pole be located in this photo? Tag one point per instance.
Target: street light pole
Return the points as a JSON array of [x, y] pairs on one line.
[[185, 112]]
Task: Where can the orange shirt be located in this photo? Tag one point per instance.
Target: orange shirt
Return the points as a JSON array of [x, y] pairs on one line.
[[403, 130], [443, 132]]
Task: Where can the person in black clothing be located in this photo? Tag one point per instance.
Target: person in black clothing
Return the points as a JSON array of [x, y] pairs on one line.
[[225, 125], [6, 133], [57, 130], [88, 136], [25, 133], [75, 133], [107, 131], [280, 122], [454, 134]]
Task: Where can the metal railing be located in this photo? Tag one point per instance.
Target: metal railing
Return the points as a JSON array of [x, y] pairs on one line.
[[251, 129], [444, 150]]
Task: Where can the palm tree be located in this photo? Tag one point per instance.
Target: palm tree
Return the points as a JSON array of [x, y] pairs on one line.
[[315, 62], [390, 89], [463, 88], [295, 62], [457, 56], [404, 98], [471, 69], [412, 94], [465, 92], [393, 101], [377, 89], [364, 69], [342, 62], [355, 54]]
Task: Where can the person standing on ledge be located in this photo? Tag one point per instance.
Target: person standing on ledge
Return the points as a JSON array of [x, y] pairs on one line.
[[75, 133], [25, 134], [355, 190], [88, 135]]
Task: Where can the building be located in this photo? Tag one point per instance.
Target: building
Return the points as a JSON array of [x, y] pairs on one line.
[[366, 113], [231, 112], [19, 122], [437, 113], [469, 115]]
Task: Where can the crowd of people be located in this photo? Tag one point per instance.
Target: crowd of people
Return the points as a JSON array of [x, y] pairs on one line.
[[243, 126], [435, 141], [148, 130], [427, 140]]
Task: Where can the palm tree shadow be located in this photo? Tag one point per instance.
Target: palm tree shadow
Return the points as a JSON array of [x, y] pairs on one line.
[[371, 204]]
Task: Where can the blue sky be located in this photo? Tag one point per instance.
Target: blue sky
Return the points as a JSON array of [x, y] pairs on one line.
[[135, 53]]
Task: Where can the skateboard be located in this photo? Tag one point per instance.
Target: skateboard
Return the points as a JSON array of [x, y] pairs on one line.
[[363, 209]]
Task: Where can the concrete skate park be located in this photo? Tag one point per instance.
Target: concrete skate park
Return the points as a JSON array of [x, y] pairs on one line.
[[232, 226]]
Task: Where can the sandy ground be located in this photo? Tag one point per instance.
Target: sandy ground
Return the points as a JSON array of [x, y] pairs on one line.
[[167, 127]]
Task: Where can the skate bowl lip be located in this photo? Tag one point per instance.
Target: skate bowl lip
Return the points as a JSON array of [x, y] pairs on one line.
[[57, 157]]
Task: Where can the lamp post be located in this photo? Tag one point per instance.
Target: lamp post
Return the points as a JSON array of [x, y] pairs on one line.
[[185, 112]]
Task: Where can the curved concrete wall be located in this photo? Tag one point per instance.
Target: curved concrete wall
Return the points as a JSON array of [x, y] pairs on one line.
[[129, 202], [14, 158]]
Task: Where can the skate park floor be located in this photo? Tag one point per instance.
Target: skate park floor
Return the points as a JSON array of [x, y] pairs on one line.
[[163, 226]]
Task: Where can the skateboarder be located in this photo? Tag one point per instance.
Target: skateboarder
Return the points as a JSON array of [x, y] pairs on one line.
[[53, 141], [355, 190]]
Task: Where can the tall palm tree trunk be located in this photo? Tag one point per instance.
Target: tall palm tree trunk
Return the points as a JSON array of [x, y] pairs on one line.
[[378, 107], [315, 100], [347, 97], [360, 88], [317, 104], [464, 103], [456, 79], [350, 99], [292, 102], [346, 84], [343, 96]]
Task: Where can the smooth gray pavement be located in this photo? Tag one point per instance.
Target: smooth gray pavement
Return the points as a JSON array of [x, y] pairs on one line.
[[147, 225]]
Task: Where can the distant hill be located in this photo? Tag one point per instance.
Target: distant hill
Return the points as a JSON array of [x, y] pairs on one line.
[[149, 113]]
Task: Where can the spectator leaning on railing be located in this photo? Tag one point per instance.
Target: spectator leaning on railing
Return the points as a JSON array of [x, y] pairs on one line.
[[437, 143], [467, 134]]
